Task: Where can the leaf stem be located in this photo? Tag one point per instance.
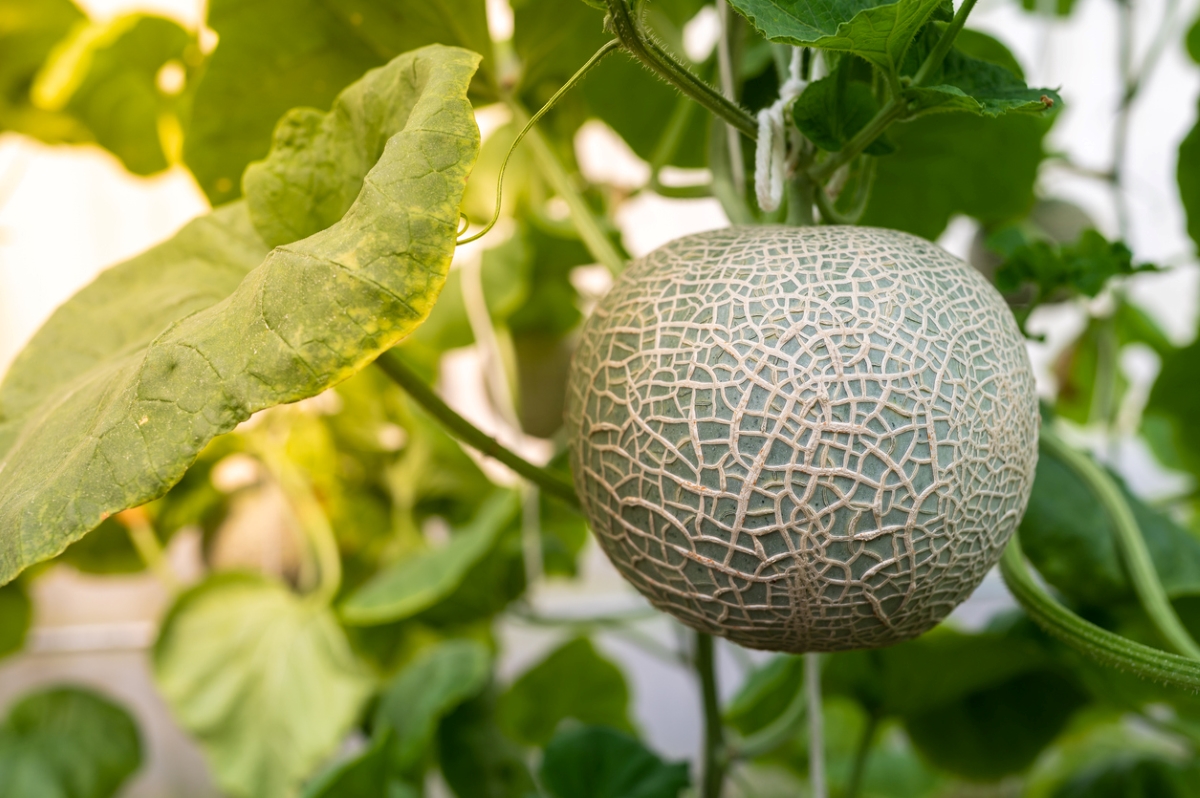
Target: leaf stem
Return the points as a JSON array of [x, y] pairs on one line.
[[145, 542], [310, 515], [1130, 543], [816, 725], [715, 763], [894, 109], [399, 372], [1100, 645], [658, 60], [938, 54], [861, 754]]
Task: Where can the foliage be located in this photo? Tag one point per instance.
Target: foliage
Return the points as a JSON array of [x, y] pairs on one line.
[[364, 649]]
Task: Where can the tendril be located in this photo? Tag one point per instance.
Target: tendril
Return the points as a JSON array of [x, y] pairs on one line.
[[574, 79]]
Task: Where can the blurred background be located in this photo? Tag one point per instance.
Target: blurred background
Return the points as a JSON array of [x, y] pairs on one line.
[[67, 212]]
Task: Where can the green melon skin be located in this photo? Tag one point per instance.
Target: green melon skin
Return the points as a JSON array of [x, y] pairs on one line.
[[803, 439]]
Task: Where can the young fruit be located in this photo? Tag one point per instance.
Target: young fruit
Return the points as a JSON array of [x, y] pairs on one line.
[[803, 439]]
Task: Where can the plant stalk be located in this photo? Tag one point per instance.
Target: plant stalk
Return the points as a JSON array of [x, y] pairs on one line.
[[816, 725], [861, 754], [399, 372], [310, 515], [944, 43], [894, 109], [713, 778], [777, 732], [1100, 645], [1132, 546], [657, 60], [145, 542]]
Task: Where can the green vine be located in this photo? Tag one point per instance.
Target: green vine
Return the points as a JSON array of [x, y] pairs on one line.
[[1102, 646], [1130, 543]]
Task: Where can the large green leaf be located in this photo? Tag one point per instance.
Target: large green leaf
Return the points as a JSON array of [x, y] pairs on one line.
[[477, 760], [29, 32], [880, 32], [67, 743], [1187, 174], [596, 762], [424, 691], [126, 383], [279, 54], [574, 682], [946, 164], [418, 582], [106, 76], [15, 614], [263, 679], [998, 730], [1132, 776]]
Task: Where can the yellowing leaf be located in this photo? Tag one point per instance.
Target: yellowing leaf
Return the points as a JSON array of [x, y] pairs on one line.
[[118, 393]]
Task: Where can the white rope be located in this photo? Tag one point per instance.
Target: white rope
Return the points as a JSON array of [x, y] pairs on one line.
[[770, 156]]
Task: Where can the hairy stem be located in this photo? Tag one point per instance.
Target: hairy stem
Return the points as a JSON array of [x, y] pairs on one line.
[[861, 754], [715, 764], [1100, 645], [1134, 554], [816, 725], [399, 372], [657, 60]]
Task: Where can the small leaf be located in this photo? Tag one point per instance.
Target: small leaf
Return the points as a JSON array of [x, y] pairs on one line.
[[418, 582], [245, 666], [876, 30], [125, 384], [437, 681], [1070, 540], [977, 44], [573, 682], [830, 111], [301, 53], [106, 76], [29, 32], [1084, 267], [15, 614], [67, 743], [595, 762], [969, 84], [765, 693]]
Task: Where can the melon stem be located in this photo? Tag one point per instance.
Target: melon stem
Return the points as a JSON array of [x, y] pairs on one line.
[[715, 762]]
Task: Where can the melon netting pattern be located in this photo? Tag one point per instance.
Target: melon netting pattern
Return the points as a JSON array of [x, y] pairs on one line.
[[803, 439]]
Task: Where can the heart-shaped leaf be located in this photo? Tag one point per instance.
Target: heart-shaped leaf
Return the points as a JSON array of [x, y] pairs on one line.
[[265, 680], [126, 383]]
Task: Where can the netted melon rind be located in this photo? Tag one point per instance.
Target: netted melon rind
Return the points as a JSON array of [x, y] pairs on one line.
[[803, 439]]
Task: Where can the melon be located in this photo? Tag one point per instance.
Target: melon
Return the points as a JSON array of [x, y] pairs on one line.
[[803, 438]]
